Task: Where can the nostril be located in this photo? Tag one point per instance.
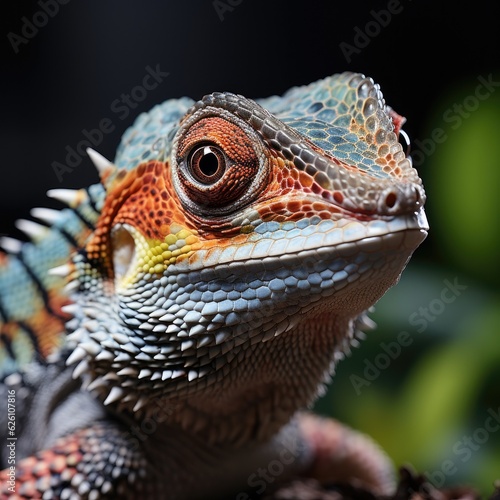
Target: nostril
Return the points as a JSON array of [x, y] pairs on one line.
[[400, 199], [123, 250], [390, 199]]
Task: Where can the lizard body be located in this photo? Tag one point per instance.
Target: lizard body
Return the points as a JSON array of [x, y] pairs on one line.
[[201, 295]]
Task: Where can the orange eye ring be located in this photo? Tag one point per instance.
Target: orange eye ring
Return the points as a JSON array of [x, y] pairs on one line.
[[219, 165]]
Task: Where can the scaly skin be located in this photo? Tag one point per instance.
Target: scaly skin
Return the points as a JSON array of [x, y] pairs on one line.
[[212, 286]]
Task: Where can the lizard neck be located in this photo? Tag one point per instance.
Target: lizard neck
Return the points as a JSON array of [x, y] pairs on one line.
[[265, 385]]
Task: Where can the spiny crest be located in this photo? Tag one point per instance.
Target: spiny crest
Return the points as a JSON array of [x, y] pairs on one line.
[[104, 167], [33, 275]]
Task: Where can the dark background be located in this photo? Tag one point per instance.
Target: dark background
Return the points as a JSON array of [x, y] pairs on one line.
[[428, 57]]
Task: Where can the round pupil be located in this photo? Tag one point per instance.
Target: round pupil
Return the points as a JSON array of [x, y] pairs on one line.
[[209, 162]]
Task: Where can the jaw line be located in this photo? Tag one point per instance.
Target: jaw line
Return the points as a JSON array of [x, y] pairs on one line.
[[273, 251]]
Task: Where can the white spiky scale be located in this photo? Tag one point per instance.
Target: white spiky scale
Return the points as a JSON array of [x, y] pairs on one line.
[[197, 330], [115, 394], [131, 348], [71, 287], [70, 197], [32, 229], [10, 245], [147, 310], [122, 357], [204, 341], [145, 372], [149, 349], [91, 347], [120, 338], [47, 215], [128, 371], [99, 336], [172, 329], [129, 383], [167, 349], [157, 313], [83, 489], [96, 383], [109, 344], [203, 371], [160, 328], [129, 397], [105, 356], [111, 376], [70, 309], [106, 487], [102, 164], [178, 373], [221, 337], [140, 404], [61, 271], [187, 344], [192, 360], [80, 369], [77, 355], [77, 335]]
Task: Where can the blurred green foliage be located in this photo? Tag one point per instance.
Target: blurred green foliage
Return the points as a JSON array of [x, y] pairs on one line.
[[435, 402]]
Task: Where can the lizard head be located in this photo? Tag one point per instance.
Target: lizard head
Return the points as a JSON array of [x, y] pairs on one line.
[[238, 244]]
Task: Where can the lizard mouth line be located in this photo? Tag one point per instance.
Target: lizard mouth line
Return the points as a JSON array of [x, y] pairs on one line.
[[369, 245], [269, 249], [271, 253]]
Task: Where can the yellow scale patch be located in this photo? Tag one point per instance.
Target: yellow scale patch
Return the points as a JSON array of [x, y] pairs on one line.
[[136, 254], [155, 256]]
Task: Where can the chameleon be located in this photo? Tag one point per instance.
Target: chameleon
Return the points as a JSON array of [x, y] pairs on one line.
[[166, 333]]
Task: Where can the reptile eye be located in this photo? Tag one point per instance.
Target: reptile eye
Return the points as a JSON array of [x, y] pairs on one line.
[[207, 164], [218, 165]]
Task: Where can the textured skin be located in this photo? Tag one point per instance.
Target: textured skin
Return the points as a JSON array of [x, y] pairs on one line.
[[202, 294]]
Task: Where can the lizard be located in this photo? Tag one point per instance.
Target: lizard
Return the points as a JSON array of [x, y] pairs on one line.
[[165, 334]]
